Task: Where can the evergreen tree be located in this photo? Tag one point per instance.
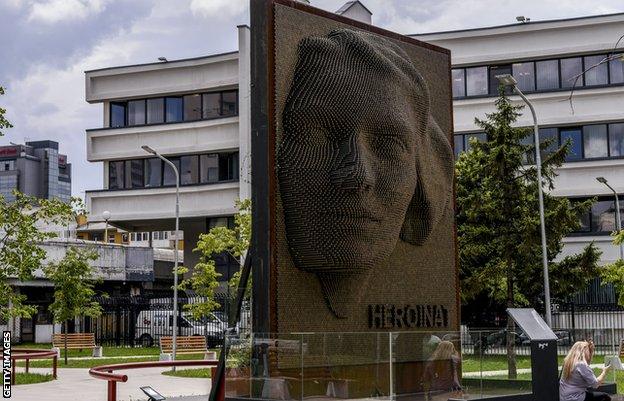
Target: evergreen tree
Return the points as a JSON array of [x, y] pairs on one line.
[[498, 220]]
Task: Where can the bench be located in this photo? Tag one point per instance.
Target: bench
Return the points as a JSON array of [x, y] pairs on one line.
[[77, 341], [184, 345]]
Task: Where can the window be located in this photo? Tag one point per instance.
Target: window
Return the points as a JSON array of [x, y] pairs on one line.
[[156, 110], [525, 75], [228, 166], [117, 114], [116, 175], [550, 135], [220, 222], [574, 136], [189, 170], [211, 105], [603, 216], [616, 69], [570, 69], [459, 144], [476, 81], [136, 112], [209, 168], [529, 156], [595, 141], [173, 109], [616, 139], [494, 84], [459, 83], [598, 75], [134, 173], [168, 173], [481, 137], [547, 73], [153, 172], [229, 103], [192, 107]]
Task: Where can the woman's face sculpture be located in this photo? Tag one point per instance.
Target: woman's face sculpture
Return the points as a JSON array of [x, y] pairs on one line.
[[355, 121]]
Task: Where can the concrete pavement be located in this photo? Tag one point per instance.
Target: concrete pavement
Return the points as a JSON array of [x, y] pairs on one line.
[[77, 385]]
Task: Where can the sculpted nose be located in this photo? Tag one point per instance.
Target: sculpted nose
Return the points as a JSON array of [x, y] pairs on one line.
[[353, 171]]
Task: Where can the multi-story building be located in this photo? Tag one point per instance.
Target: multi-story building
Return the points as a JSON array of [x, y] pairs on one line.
[[35, 169], [195, 112], [545, 57]]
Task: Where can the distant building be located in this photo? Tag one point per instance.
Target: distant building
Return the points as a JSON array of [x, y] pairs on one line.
[[35, 169]]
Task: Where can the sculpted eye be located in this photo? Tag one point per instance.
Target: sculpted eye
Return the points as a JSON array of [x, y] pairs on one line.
[[389, 144]]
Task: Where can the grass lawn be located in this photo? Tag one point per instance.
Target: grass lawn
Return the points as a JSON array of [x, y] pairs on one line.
[[107, 351], [199, 373], [495, 362], [89, 363], [31, 378]]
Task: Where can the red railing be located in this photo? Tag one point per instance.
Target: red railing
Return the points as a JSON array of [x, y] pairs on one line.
[[28, 354], [106, 372]]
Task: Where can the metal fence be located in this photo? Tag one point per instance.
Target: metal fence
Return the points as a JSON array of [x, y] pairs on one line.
[[141, 321]]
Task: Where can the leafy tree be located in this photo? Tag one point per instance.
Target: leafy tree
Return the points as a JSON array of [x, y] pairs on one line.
[[4, 123], [614, 272], [234, 241], [498, 220], [20, 250], [73, 279]]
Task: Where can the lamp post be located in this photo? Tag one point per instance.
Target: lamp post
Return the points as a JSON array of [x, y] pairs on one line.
[[175, 254], [510, 81], [618, 223], [106, 215]]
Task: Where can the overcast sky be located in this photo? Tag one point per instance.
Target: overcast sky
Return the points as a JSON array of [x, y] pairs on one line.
[[46, 45]]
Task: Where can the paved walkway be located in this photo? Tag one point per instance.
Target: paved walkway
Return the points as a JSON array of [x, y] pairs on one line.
[[77, 385], [489, 373]]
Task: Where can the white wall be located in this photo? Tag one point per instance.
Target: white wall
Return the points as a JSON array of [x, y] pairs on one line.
[[159, 203], [162, 78]]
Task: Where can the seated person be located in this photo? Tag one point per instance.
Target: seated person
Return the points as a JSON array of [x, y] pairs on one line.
[[577, 378]]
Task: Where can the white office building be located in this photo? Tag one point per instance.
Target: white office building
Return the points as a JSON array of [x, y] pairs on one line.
[[194, 112], [544, 56]]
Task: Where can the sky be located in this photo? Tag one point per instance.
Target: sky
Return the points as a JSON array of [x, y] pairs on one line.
[[46, 45]]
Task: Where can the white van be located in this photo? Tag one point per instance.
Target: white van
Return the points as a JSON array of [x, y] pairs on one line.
[[152, 324]]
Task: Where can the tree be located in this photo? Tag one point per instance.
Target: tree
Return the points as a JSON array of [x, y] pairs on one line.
[[73, 280], [235, 242], [4, 123], [20, 250], [498, 221], [614, 272]]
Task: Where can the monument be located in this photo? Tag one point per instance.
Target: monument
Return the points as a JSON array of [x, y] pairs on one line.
[[352, 174]]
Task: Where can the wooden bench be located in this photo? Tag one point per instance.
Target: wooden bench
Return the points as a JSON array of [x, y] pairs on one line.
[[77, 341], [184, 345]]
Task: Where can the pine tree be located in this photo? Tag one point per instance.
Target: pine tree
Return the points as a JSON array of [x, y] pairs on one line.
[[498, 220]]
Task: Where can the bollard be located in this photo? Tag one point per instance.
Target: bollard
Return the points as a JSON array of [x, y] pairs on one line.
[[54, 362], [112, 390]]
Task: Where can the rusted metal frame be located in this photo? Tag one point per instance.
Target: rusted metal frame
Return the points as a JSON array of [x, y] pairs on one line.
[[106, 372]]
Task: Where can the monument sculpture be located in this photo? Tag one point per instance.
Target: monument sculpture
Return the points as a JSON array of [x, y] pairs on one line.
[[362, 163]]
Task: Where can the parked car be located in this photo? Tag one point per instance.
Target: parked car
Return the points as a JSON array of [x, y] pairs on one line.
[[499, 339], [153, 324]]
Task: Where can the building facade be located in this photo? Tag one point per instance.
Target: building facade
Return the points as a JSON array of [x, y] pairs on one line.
[[195, 112], [35, 169], [545, 57]]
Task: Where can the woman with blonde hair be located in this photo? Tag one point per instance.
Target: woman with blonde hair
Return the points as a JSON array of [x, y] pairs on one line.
[[577, 377], [441, 375]]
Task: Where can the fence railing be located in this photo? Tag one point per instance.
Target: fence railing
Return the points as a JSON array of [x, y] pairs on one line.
[[141, 321]]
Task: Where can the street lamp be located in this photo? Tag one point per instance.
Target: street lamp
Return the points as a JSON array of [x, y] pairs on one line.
[[510, 81], [618, 223], [175, 254], [106, 215]]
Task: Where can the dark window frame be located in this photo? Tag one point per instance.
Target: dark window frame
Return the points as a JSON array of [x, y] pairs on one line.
[[227, 155], [560, 88], [599, 198], [558, 143], [181, 96]]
